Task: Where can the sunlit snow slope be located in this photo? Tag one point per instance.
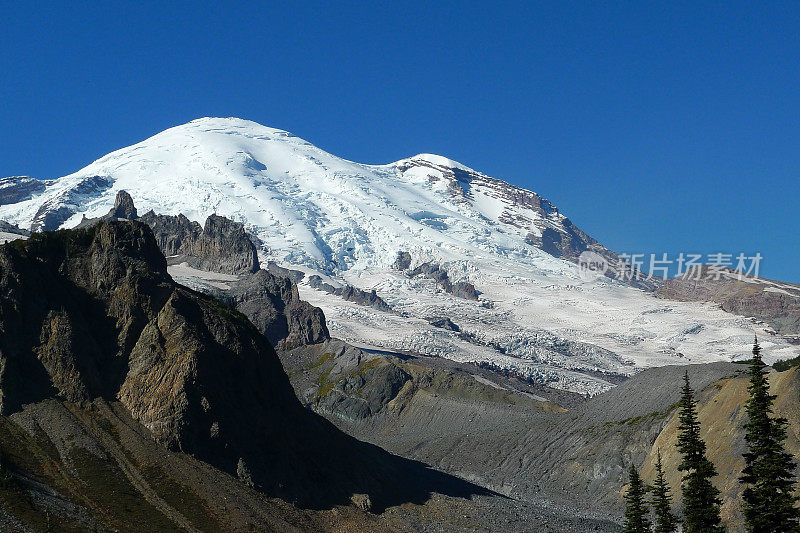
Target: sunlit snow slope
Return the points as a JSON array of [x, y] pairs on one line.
[[347, 221]]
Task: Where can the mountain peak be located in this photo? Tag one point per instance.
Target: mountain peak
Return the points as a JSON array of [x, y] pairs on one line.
[[436, 160], [345, 221], [230, 125]]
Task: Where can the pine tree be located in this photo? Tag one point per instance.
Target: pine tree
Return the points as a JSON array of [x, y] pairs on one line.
[[666, 522], [636, 510], [769, 502], [701, 502]]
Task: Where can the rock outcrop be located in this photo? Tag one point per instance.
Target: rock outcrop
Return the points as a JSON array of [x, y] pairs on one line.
[[221, 245], [225, 247], [269, 299], [364, 391], [123, 207], [351, 294], [444, 323], [776, 303], [460, 289], [294, 275], [273, 305], [92, 314], [402, 261]]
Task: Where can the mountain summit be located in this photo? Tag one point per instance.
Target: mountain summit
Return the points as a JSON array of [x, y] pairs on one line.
[[432, 237], [308, 206]]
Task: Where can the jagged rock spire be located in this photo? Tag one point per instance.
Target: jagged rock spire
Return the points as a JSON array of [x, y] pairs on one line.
[[123, 207]]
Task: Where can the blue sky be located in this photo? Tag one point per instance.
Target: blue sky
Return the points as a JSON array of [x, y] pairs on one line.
[[655, 128]]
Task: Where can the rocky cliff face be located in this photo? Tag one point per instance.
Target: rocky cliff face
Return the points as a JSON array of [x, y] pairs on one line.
[[268, 298], [273, 305], [72, 306], [461, 289], [93, 314], [220, 246], [123, 207]]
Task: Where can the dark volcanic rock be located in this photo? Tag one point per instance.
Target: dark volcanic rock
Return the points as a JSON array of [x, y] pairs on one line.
[[294, 275], [464, 289], [364, 392], [123, 207], [225, 247], [220, 246], [461, 289], [403, 261], [175, 235], [444, 323], [75, 302], [351, 294], [273, 305], [269, 300], [568, 243], [95, 315]]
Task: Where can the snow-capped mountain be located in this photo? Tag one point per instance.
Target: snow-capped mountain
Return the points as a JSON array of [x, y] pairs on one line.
[[347, 222]]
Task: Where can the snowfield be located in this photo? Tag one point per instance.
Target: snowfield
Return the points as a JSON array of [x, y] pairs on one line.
[[347, 221], [6, 237]]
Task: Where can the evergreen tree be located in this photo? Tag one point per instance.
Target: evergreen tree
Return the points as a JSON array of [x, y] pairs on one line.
[[769, 502], [666, 522], [636, 510], [701, 503]]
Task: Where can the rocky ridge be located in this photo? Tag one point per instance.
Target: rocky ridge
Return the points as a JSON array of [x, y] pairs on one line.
[[351, 294], [102, 319], [268, 298], [221, 245], [773, 302], [450, 415]]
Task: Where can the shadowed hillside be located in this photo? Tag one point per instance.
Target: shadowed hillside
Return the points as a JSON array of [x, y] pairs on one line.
[[92, 316]]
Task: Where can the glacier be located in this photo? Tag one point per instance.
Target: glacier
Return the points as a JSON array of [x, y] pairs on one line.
[[309, 210]]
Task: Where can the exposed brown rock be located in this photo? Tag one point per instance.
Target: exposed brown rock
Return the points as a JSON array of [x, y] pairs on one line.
[[776, 303]]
